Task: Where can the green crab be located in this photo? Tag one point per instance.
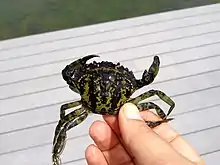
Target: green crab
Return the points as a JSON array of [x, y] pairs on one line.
[[104, 87]]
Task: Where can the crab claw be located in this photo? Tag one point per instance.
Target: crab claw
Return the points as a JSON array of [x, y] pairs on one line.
[[149, 76], [80, 62], [86, 58], [69, 70]]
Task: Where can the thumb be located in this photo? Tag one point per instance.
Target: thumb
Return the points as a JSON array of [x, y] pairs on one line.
[[141, 142]]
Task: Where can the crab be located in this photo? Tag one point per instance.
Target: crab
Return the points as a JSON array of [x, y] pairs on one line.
[[104, 87]]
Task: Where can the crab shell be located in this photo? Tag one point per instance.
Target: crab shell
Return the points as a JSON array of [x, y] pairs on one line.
[[104, 87]]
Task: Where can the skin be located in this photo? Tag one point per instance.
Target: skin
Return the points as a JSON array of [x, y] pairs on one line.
[[117, 142]]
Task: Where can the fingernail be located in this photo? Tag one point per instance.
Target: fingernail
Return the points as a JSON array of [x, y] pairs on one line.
[[131, 111]]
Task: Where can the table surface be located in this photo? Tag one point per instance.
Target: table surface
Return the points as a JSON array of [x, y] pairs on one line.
[[32, 89]]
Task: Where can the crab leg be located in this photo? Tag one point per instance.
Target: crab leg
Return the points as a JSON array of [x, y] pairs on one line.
[[68, 106], [151, 105], [69, 121], [151, 93], [153, 124], [160, 112]]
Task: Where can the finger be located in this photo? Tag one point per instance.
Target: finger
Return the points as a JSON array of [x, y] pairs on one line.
[[146, 146], [94, 156], [112, 121], [172, 137], [107, 141]]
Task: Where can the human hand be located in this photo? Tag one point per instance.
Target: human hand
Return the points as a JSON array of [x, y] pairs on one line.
[[129, 141]]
